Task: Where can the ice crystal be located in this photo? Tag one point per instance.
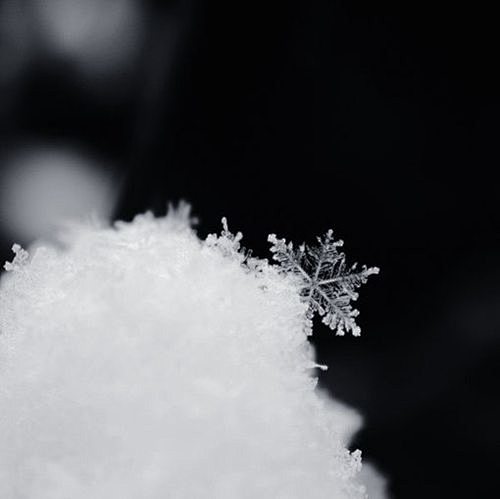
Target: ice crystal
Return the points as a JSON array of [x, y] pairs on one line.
[[327, 284], [228, 243], [20, 259]]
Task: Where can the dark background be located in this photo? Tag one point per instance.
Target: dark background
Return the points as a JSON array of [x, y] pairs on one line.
[[377, 119]]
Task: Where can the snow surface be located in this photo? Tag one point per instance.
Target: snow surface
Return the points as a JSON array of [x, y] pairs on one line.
[[141, 362]]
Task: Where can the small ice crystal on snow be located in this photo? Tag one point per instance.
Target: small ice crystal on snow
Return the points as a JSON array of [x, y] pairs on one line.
[[21, 258], [327, 283]]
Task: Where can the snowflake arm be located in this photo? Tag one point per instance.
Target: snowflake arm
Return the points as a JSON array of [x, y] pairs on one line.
[[328, 285]]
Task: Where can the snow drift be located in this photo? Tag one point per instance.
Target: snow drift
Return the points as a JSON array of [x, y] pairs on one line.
[[141, 362]]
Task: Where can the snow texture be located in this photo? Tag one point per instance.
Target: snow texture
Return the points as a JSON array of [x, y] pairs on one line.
[[139, 361]]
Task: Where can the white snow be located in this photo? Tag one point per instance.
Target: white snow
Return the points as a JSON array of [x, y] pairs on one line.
[[142, 362]]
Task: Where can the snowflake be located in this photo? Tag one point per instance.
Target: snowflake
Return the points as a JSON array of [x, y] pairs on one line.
[[327, 283]]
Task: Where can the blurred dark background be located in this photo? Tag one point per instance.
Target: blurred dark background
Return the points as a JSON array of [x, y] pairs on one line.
[[378, 119]]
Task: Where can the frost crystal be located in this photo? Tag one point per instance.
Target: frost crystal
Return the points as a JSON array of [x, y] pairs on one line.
[[327, 283], [228, 243], [20, 259]]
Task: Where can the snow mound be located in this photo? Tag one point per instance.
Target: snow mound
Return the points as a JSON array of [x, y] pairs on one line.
[[142, 362]]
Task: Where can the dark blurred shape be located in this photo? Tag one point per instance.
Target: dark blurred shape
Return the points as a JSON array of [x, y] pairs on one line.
[[15, 41], [80, 82], [45, 186], [98, 37]]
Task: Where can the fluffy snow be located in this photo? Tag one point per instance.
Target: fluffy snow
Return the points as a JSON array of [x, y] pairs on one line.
[[139, 361]]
